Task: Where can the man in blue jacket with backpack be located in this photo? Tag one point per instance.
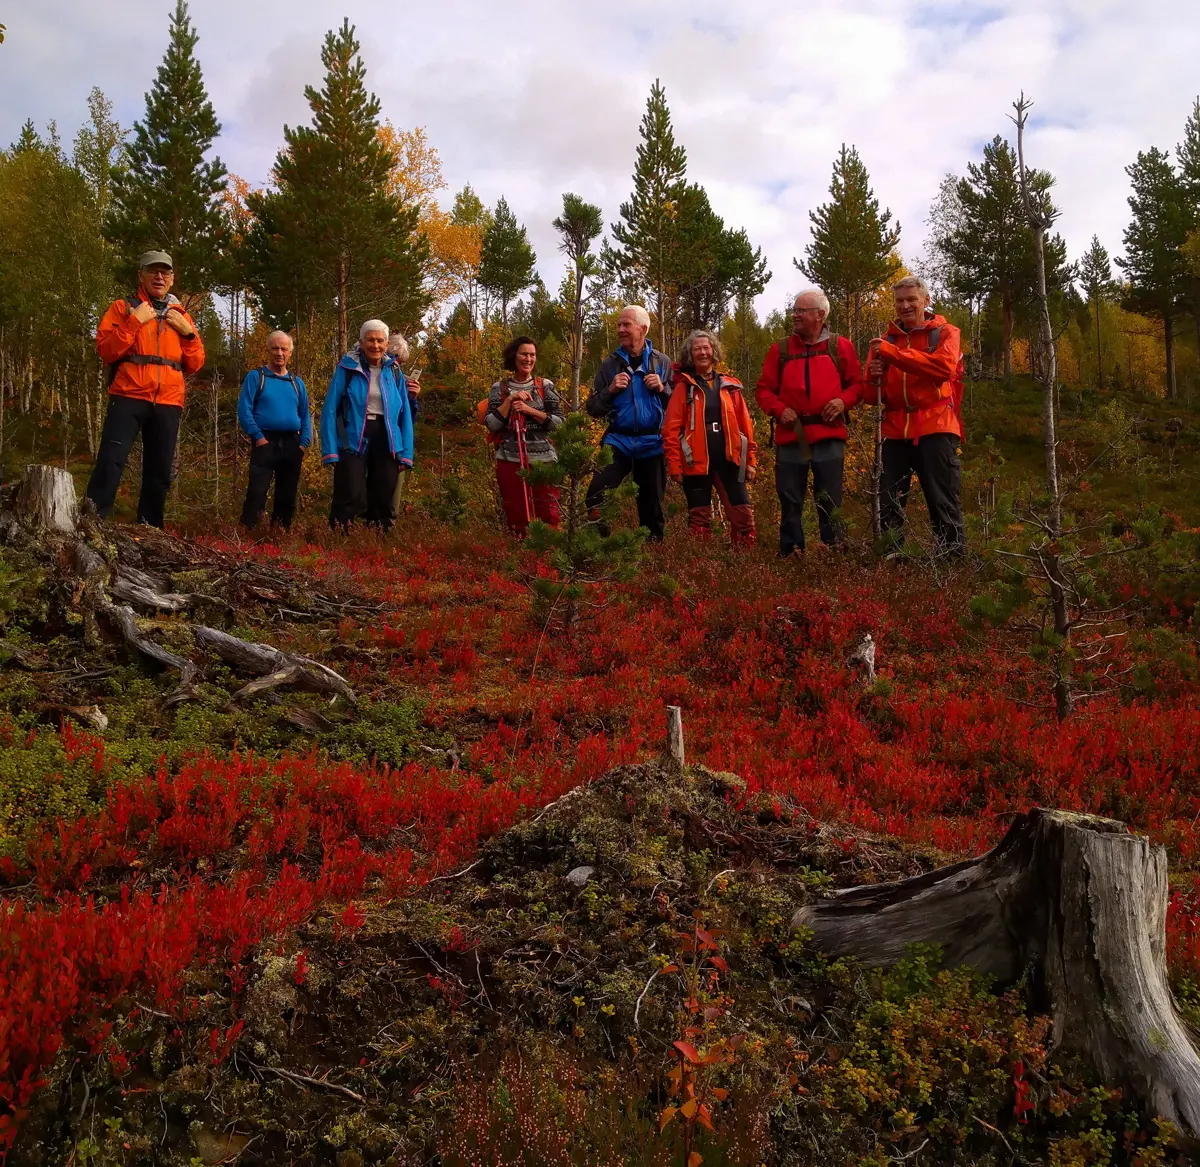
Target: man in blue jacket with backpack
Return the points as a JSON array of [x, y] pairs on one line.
[[631, 390], [273, 414]]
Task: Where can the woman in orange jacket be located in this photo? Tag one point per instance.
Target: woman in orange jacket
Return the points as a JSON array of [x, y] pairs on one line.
[[708, 439]]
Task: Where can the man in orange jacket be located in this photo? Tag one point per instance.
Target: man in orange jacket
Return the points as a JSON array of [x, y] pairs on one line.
[[912, 369], [150, 345]]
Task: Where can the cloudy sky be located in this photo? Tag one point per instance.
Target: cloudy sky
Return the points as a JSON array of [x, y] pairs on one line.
[[531, 98]]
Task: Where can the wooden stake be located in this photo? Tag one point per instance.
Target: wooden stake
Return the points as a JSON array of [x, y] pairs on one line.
[[675, 753]]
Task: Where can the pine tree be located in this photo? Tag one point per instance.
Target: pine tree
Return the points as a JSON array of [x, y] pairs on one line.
[[331, 232], [1154, 263], [990, 247], [506, 260], [748, 267], [579, 225], [644, 251], [165, 195], [1095, 274], [852, 250], [28, 139]]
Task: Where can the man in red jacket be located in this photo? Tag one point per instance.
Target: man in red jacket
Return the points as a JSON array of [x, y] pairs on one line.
[[912, 368], [809, 390], [151, 346]]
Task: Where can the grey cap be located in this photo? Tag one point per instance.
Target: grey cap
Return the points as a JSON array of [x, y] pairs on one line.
[[153, 258]]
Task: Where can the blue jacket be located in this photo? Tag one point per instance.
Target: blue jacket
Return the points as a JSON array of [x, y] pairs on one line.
[[635, 414], [344, 414], [282, 405]]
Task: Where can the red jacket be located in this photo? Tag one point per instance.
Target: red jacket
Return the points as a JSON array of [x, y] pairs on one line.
[[685, 442], [120, 336], [810, 382], [918, 390]]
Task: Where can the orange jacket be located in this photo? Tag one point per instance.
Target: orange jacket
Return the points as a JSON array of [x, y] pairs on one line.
[[685, 442], [146, 376], [808, 386], [918, 394]]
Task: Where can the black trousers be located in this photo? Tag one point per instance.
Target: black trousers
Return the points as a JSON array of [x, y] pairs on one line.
[[280, 459], [159, 426], [791, 484], [934, 459], [698, 488], [363, 484], [650, 474]]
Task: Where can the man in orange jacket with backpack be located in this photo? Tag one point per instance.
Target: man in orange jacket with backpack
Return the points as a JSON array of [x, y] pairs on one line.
[[915, 369], [150, 345]]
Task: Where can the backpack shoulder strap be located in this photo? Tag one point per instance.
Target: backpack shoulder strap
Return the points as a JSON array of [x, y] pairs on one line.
[[935, 338], [785, 355], [834, 353], [262, 384]]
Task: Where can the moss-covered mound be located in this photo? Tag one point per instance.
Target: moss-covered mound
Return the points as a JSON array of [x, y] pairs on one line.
[[613, 981]]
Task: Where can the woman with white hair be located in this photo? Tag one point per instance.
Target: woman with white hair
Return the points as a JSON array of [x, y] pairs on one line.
[[366, 431], [398, 348], [708, 439]]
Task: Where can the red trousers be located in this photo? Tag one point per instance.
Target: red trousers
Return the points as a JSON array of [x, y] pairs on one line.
[[513, 497]]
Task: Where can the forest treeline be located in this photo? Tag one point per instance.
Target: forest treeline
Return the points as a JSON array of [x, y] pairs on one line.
[[352, 225]]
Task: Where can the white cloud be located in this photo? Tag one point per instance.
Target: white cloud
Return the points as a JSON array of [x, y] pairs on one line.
[[532, 98]]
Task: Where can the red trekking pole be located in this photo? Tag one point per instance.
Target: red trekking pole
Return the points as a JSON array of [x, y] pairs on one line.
[[518, 424]]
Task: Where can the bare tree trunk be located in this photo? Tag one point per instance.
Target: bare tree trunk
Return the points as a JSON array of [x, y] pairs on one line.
[[343, 280], [1099, 353], [1169, 343], [577, 341], [1006, 319]]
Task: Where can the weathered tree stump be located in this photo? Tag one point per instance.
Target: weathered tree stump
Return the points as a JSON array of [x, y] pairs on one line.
[[675, 755], [1080, 903], [46, 500]]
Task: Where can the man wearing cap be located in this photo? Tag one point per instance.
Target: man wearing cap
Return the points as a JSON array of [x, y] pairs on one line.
[[150, 345]]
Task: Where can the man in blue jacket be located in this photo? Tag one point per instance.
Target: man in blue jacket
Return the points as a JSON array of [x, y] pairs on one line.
[[366, 431], [273, 414], [631, 390]]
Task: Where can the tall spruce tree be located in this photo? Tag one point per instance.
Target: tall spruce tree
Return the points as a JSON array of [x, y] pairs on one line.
[[1154, 261], [990, 248], [1095, 274], [506, 259], [852, 253], [579, 226], [165, 194], [644, 251], [330, 233]]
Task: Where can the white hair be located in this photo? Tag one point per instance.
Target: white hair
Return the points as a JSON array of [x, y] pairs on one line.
[[912, 282], [372, 326], [639, 314], [279, 332], [398, 346], [818, 295]]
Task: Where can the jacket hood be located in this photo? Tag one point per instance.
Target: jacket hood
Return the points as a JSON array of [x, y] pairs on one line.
[[353, 360], [934, 321]]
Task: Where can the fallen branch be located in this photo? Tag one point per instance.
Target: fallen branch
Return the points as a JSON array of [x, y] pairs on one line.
[[305, 1080], [264, 660]]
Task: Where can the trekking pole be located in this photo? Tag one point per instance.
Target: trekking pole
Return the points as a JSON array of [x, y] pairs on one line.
[[523, 452]]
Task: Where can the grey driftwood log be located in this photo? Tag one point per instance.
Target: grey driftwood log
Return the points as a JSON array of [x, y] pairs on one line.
[[1081, 904]]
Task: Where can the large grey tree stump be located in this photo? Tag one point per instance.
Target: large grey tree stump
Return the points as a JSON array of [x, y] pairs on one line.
[[1078, 901], [46, 500]]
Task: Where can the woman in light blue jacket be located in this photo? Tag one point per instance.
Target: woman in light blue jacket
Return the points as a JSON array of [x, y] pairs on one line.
[[366, 431]]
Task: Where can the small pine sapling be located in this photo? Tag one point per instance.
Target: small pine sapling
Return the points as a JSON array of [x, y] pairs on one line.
[[581, 553]]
